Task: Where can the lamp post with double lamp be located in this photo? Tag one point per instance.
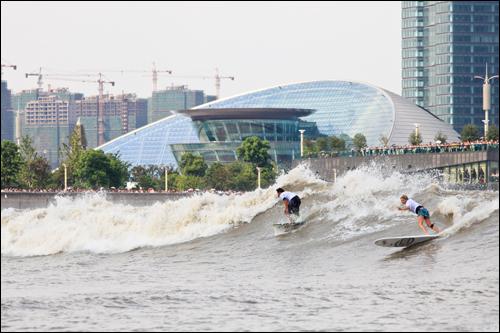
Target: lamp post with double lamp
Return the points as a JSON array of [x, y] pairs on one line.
[[486, 98], [301, 142]]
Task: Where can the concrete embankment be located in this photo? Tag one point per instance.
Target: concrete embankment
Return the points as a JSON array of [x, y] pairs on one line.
[[28, 200]]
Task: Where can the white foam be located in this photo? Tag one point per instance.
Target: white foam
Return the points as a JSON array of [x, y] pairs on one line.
[[481, 211], [92, 223], [362, 201]]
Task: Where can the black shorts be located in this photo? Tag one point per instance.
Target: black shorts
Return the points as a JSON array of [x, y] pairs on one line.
[[294, 205]]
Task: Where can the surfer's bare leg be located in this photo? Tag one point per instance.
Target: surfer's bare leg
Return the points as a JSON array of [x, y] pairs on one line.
[[432, 226], [421, 224]]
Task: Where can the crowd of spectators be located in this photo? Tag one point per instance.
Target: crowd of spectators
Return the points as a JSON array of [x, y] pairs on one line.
[[479, 145], [437, 147], [115, 190]]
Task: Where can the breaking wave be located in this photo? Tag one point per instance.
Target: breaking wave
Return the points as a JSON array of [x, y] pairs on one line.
[[361, 202]]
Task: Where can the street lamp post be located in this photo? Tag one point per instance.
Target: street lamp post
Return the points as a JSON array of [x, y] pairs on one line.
[[416, 132], [301, 142], [65, 177], [166, 179], [486, 98], [258, 177]]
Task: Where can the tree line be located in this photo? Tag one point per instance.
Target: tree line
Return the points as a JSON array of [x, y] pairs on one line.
[[23, 167], [194, 172]]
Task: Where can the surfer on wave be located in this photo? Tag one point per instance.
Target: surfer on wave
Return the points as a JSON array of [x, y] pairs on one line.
[[290, 200], [421, 211]]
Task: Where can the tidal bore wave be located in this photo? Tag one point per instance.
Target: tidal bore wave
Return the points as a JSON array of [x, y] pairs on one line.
[[360, 204]]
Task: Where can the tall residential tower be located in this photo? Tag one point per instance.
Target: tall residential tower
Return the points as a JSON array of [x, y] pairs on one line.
[[445, 44]]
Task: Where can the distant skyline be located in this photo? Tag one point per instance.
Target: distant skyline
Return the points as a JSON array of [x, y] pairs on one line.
[[261, 44]]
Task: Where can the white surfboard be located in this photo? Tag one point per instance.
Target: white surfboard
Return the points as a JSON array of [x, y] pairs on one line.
[[282, 228], [404, 241]]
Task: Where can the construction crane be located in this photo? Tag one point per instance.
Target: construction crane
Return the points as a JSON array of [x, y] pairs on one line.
[[217, 78], [217, 82], [53, 76], [154, 74], [39, 81], [14, 67], [100, 81]]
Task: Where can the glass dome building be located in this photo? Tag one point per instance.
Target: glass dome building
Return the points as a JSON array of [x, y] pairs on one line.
[[221, 132], [340, 107]]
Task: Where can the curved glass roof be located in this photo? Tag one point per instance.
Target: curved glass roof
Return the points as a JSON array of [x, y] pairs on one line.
[[150, 145], [342, 107], [347, 107]]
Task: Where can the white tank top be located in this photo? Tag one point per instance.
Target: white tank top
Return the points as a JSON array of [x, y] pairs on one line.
[[287, 195], [412, 204]]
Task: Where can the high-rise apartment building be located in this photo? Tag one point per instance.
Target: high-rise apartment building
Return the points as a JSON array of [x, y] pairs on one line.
[[163, 102], [445, 44], [122, 114], [7, 114], [47, 122]]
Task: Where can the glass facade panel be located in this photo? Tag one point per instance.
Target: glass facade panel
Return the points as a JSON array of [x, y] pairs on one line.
[[150, 145], [460, 38], [341, 106]]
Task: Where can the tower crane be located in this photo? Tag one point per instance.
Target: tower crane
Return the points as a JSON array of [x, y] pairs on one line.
[[14, 67], [154, 73], [39, 81], [217, 82], [54, 76], [217, 77], [101, 82]]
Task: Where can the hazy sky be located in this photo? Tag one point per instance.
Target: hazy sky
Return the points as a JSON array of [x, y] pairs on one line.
[[262, 44]]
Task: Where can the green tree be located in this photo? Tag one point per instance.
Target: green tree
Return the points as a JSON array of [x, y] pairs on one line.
[[492, 133], [309, 148], [441, 137], [142, 177], [11, 164], [415, 138], [118, 171], [322, 144], [384, 140], [193, 165], [470, 132], [173, 175], [359, 141], [73, 150], [95, 169], [254, 150], [243, 176], [35, 170], [347, 139], [268, 175], [217, 177], [337, 143], [185, 182], [39, 168]]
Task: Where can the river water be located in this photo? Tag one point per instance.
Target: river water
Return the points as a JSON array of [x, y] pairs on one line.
[[213, 263]]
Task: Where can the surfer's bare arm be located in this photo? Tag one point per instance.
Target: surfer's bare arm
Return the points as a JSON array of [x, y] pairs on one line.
[[285, 202], [403, 208]]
